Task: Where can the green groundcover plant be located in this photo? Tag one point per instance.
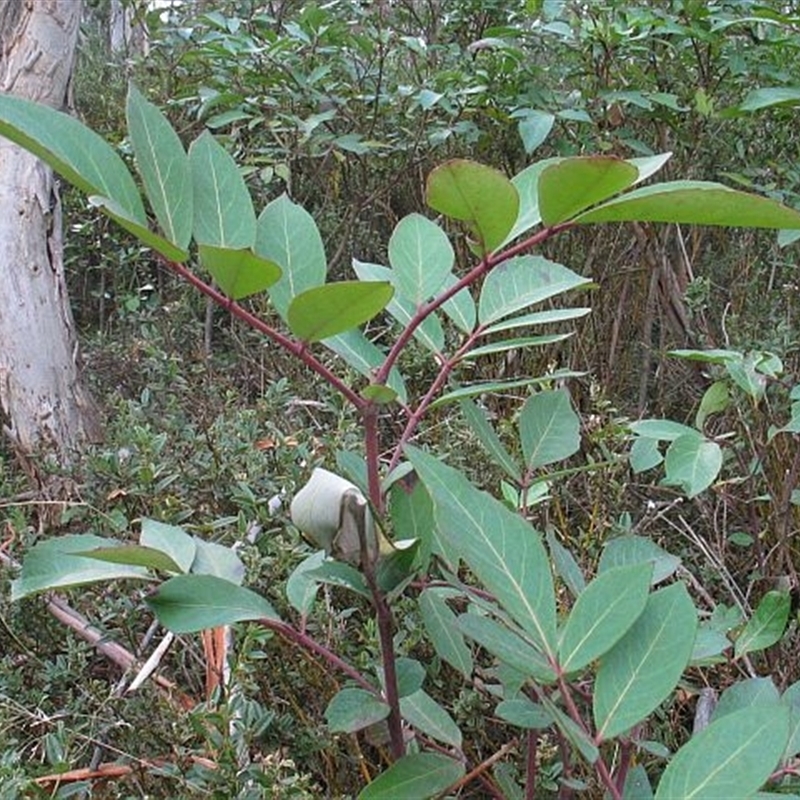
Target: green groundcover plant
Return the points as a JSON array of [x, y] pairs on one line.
[[587, 659]]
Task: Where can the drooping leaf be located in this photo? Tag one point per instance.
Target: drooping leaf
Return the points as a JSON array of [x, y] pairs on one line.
[[324, 311], [630, 549], [694, 203], [54, 564], [140, 230], [364, 357], [770, 96], [191, 603], [239, 273], [645, 454], [663, 430], [353, 709], [649, 165], [288, 236], [476, 194], [566, 567], [640, 671], [524, 713], [534, 128], [693, 463], [715, 399], [427, 716], [171, 540], [418, 776], [302, 588], [482, 428], [217, 560], [791, 700], [549, 428], [421, 256], [504, 551], [336, 573], [602, 614], [521, 282], [578, 736], [440, 623], [412, 518], [72, 150], [135, 555], [732, 757], [574, 184], [223, 211], [767, 624], [460, 308], [164, 167]]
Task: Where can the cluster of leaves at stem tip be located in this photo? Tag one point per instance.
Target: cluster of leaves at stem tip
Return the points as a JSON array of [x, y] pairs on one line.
[[629, 633]]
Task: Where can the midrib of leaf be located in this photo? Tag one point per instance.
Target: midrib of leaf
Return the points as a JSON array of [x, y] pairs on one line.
[[161, 180]]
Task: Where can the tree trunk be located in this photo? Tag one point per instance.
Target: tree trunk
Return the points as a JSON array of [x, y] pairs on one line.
[[44, 407]]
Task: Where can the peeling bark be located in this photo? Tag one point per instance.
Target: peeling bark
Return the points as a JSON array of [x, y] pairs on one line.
[[43, 404]]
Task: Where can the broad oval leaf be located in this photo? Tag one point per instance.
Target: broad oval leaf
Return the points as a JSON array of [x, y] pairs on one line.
[[692, 463], [170, 539], [421, 256], [630, 549], [139, 229], [732, 757], [575, 184], [524, 713], [223, 211], [218, 560], [521, 282], [534, 128], [549, 428], [239, 273], [191, 603], [476, 194], [414, 777], [427, 716], [324, 311], [695, 203], [770, 96], [164, 167], [602, 614], [288, 236], [640, 671], [353, 709], [750, 693], [74, 151], [55, 564], [767, 624], [506, 553]]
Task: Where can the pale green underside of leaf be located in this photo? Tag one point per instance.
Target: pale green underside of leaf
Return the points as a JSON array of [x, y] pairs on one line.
[[537, 318], [164, 167], [74, 151], [482, 428], [549, 428], [694, 203], [519, 343], [428, 717], [440, 623], [353, 709], [414, 777], [171, 540]]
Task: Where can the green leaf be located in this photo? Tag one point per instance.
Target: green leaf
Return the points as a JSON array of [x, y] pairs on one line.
[[74, 151], [646, 664], [190, 603], [336, 573], [631, 549], [692, 463], [140, 230], [574, 184], [421, 256], [716, 399], [288, 236], [732, 757], [770, 96], [663, 430], [364, 357], [223, 211], [428, 717], [694, 203], [324, 311], [534, 128], [302, 588], [135, 555], [524, 713], [744, 372], [602, 614], [54, 564], [549, 429], [566, 566], [750, 693], [767, 624], [537, 318], [239, 273], [507, 645], [164, 167], [215, 559], [576, 734], [649, 165], [790, 699], [637, 784], [440, 623], [520, 343], [460, 308], [521, 282], [171, 540], [707, 356], [412, 518], [476, 194], [505, 553], [414, 777], [645, 454], [498, 387], [354, 709], [482, 428]]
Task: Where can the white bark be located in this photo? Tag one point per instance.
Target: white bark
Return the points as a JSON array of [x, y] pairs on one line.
[[42, 401]]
